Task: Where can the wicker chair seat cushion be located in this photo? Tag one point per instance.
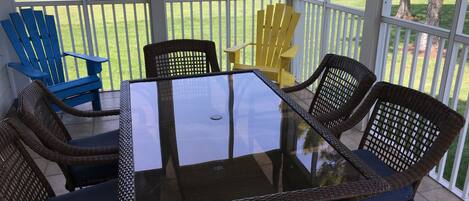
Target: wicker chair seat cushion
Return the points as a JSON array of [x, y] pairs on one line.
[[383, 170], [109, 139], [104, 191], [84, 175]]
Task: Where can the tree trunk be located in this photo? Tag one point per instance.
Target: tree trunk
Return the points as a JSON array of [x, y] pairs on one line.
[[404, 10], [433, 19]]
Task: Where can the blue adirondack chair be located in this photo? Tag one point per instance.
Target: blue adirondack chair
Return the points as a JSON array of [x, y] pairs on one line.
[[34, 38]]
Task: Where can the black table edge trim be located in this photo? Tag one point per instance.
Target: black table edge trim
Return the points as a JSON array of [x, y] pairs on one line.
[[126, 187]]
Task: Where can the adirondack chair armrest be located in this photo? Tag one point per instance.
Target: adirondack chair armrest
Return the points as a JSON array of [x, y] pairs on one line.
[[86, 57], [93, 64], [28, 71], [234, 52], [237, 48], [290, 53]]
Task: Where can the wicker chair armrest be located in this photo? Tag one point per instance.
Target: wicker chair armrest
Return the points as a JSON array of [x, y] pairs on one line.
[[38, 147], [79, 113], [342, 112], [347, 191], [44, 135], [317, 73], [27, 137], [304, 84], [72, 150], [359, 114]]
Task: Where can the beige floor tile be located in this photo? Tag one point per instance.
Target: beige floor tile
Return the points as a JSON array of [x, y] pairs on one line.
[[41, 163], [80, 130], [110, 95], [308, 101], [351, 138], [428, 184], [349, 142], [303, 94], [106, 118], [439, 194], [58, 184], [105, 126], [300, 102], [84, 106], [303, 105], [52, 169], [70, 119], [32, 153], [419, 197], [113, 103]]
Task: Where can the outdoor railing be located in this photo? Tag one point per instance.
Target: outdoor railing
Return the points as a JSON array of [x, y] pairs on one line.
[[207, 20], [410, 54], [325, 28], [435, 64]]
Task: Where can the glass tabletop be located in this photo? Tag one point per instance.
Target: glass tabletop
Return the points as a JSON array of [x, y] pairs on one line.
[[224, 137]]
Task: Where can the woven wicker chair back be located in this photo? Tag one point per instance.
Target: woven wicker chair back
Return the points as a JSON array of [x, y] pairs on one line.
[[35, 110], [180, 57], [20, 178], [407, 125], [341, 80]]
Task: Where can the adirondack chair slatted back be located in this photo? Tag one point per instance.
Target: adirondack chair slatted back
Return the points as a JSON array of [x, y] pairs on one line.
[[34, 38], [275, 28]]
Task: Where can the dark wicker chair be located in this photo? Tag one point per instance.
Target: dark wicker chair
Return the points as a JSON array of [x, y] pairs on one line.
[[342, 87], [21, 179], [406, 136], [35, 110], [180, 57]]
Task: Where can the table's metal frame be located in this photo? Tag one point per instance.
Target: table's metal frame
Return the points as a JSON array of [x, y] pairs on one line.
[[126, 189]]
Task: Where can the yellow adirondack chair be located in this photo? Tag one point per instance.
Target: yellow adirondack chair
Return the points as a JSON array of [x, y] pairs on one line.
[[274, 52]]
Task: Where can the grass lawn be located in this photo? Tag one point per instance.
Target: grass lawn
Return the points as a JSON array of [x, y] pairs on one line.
[[124, 45]]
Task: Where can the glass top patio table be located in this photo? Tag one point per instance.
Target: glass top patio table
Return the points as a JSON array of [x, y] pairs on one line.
[[221, 137]]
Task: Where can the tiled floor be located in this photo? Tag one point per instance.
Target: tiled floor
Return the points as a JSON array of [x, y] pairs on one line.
[[429, 190]]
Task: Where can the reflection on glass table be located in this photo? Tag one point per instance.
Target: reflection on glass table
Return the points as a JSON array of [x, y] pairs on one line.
[[225, 137]]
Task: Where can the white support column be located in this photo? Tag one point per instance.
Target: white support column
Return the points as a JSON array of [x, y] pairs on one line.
[[158, 21], [86, 16], [7, 54], [228, 31], [373, 38], [326, 22], [374, 32], [298, 39], [449, 67], [450, 62]]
